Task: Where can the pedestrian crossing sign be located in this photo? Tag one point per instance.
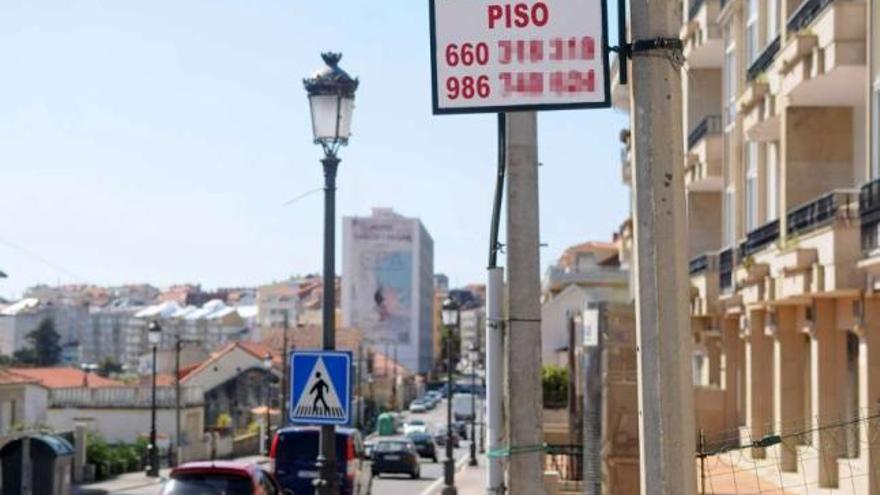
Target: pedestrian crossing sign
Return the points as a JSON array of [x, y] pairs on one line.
[[320, 387]]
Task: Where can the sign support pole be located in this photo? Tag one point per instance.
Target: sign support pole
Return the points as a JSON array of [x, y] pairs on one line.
[[525, 466], [326, 484], [666, 410]]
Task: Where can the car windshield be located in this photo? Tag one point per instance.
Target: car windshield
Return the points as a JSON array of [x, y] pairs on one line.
[[416, 422], [391, 446], [208, 484], [419, 437]]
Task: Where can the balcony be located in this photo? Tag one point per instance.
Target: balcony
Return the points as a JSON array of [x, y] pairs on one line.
[[701, 35], [709, 126], [824, 60], [821, 246], [821, 212], [558, 278], [764, 61], [759, 239], [704, 158], [806, 14], [869, 211], [122, 397]]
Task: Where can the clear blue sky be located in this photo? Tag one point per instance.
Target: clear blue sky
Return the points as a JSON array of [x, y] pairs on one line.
[[156, 141]]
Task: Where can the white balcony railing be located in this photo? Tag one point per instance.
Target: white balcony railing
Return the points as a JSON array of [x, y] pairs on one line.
[[123, 397]]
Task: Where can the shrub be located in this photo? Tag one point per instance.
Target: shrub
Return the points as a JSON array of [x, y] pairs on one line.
[[555, 384]]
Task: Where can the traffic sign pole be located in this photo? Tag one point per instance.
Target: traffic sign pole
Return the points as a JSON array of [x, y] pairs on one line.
[[326, 484]]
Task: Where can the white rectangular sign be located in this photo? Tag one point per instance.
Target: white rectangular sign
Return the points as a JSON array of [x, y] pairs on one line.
[[497, 55], [591, 327]]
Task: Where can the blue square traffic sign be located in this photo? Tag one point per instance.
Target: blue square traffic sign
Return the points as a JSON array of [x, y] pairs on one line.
[[320, 384]]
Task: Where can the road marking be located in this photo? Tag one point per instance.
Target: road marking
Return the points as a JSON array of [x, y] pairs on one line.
[[439, 482]]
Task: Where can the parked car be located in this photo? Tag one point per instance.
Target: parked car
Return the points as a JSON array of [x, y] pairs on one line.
[[430, 401], [440, 438], [369, 446], [226, 477], [295, 452], [417, 407], [396, 456], [425, 445], [415, 425], [460, 427]]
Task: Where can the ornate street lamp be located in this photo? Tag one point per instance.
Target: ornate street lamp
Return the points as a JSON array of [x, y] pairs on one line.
[[451, 315], [154, 337], [267, 366], [331, 100]]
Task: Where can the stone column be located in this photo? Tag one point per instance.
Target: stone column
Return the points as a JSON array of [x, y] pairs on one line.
[[869, 393], [828, 356], [759, 381], [788, 403], [730, 374], [713, 352]]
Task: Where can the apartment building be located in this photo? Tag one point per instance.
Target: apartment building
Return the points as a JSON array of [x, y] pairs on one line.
[[782, 174]]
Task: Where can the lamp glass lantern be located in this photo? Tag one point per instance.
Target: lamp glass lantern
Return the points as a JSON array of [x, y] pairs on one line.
[[450, 313], [154, 333], [267, 361], [331, 100]]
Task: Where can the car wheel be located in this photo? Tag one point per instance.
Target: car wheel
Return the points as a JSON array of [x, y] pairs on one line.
[[417, 474], [434, 458]]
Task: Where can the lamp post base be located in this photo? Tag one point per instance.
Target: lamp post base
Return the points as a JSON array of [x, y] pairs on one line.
[[449, 477]]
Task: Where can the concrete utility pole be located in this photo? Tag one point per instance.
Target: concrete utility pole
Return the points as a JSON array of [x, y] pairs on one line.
[[666, 407], [525, 474], [494, 374]]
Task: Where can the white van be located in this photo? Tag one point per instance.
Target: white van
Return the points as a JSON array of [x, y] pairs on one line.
[[463, 407]]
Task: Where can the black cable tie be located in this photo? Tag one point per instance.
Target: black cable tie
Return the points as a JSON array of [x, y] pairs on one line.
[[628, 49], [671, 44]]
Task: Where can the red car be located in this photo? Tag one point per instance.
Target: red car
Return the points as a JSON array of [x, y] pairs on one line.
[[221, 477]]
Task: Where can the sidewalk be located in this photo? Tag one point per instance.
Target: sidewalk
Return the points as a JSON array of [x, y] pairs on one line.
[[137, 480], [469, 480]]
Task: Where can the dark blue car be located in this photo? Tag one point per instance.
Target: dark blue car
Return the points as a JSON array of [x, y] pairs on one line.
[[295, 452]]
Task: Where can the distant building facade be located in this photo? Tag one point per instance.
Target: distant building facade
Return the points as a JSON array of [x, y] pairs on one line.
[[388, 284]]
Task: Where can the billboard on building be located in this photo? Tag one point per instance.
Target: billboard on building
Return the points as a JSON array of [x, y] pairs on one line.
[[382, 292]]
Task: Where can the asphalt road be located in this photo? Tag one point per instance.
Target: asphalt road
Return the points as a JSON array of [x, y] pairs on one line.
[[432, 473], [429, 483]]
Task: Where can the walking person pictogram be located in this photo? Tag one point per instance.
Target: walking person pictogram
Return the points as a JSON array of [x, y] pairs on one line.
[[318, 390]]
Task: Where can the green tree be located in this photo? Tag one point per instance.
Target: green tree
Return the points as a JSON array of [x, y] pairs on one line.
[[555, 383], [44, 345], [26, 356], [109, 367]]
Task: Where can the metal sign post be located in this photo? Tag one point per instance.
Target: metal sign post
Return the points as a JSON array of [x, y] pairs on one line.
[[515, 59]]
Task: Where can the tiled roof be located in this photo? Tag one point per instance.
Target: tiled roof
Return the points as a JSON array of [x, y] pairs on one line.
[[62, 377], [602, 250], [8, 377]]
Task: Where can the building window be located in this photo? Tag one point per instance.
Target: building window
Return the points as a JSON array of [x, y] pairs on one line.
[[772, 181], [773, 9], [751, 174], [752, 31], [730, 84], [729, 216]]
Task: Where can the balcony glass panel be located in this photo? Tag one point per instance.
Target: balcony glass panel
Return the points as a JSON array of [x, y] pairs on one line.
[[764, 60], [708, 126], [806, 14]]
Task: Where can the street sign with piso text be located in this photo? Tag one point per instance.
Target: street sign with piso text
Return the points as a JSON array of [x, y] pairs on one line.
[[499, 56]]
